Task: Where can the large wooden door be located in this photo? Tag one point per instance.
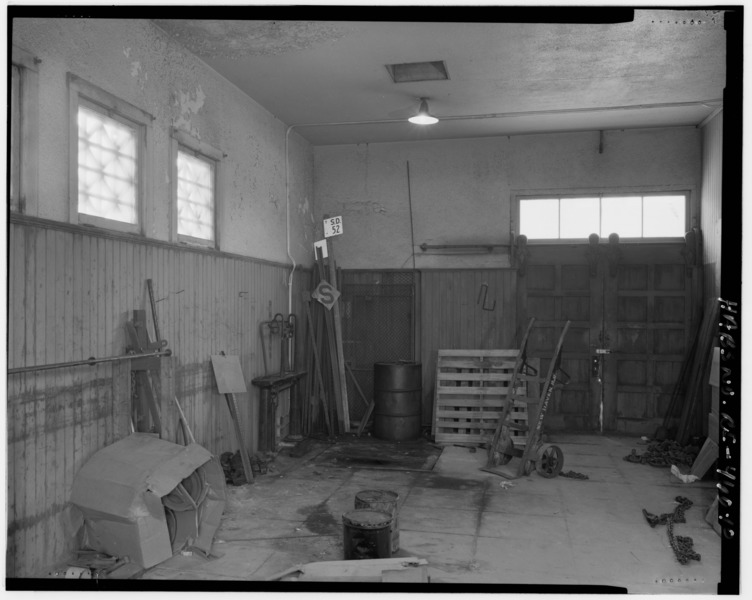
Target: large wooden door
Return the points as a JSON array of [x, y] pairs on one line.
[[632, 312]]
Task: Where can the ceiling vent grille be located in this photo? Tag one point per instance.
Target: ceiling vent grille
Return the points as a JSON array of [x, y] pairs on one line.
[[418, 71]]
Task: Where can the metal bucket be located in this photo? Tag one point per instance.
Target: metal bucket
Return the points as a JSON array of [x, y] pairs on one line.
[[385, 501], [397, 398], [366, 534]]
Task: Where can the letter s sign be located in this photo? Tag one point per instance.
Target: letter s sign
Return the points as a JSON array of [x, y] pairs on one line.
[[326, 293]]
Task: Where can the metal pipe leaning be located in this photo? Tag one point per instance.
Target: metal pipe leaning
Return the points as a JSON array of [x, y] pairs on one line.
[[89, 361]]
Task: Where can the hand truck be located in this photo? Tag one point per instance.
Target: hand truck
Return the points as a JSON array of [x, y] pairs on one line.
[[546, 459]]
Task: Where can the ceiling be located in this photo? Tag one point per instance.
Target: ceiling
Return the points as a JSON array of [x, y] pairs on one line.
[[654, 68]]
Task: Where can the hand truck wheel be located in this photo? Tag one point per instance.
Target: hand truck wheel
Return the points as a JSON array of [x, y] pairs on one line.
[[550, 461]]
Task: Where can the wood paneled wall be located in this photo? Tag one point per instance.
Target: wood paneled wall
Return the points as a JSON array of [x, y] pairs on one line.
[[453, 317], [70, 293]]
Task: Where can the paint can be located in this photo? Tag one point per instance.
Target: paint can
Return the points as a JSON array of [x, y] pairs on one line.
[[366, 534], [386, 501]]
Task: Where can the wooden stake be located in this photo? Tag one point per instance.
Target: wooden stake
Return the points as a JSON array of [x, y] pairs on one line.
[[307, 302], [232, 405], [187, 427], [331, 337], [345, 418]]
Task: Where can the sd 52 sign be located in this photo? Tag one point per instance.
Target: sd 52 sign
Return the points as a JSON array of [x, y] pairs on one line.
[[326, 293], [332, 226]]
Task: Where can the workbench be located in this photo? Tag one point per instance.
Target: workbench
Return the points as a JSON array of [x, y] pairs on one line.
[[269, 387]]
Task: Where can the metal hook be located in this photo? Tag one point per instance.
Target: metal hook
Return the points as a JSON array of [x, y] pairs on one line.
[[484, 294]]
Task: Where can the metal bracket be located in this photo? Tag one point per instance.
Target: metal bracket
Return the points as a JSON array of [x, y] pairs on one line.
[[483, 293]]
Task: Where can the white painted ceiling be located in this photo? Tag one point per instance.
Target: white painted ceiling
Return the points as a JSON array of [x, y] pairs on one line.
[[662, 68]]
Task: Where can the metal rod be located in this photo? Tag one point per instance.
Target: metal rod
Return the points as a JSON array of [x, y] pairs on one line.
[[157, 334], [487, 247], [90, 361], [410, 203]]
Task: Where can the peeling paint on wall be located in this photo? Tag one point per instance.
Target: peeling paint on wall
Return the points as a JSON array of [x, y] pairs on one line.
[[190, 103], [364, 207], [304, 206]]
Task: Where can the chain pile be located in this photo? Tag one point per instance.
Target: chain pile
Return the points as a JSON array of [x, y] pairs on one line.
[[664, 454], [681, 545], [573, 475]]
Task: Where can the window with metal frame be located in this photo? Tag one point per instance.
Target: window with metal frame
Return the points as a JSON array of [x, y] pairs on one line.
[[637, 216], [195, 189], [109, 162]]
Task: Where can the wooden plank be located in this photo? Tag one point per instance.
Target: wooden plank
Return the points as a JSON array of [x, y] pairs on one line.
[[337, 318], [470, 401], [467, 391], [16, 357], [450, 362], [451, 438], [495, 411], [468, 414], [491, 353], [243, 447], [16, 297], [54, 431], [442, 376]]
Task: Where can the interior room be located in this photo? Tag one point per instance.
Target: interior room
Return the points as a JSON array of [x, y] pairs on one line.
[[307, 299]]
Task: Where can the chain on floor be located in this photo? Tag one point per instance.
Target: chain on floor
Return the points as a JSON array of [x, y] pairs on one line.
[[664, 454], [681, 545]]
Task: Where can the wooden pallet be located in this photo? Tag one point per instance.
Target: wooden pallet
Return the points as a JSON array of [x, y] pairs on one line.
[[471, 390]]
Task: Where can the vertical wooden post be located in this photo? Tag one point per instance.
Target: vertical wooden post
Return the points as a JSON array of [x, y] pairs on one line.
[[332, 348], [345, 417], [121, 396], [167, 408]]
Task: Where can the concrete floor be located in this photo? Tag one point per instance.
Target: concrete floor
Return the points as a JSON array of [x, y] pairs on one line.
[[474, 527]]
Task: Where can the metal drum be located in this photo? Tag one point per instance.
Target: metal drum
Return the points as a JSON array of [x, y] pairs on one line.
[[366, 534], [397, 397], [385, 501]]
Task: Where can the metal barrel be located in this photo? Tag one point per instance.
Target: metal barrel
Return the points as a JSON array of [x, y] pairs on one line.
[[397, 397], [366, 534], [385, 501]]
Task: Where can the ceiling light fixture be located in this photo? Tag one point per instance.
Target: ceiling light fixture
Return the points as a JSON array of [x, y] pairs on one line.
[[423, 117]]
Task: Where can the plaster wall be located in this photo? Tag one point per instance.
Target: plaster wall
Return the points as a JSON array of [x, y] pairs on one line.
[[137, 62], [462, 191]]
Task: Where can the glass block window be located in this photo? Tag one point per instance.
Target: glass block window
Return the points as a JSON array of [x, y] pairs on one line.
[[629, 216], [195, 196], [110, 158], [107, 167]]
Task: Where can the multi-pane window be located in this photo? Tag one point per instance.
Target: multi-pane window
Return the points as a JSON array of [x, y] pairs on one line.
[[107, 167], [196, 190], [195, 196], [630, 216], [109, 162]]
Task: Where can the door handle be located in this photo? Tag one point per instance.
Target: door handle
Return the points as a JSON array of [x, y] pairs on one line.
[[595, 367]]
